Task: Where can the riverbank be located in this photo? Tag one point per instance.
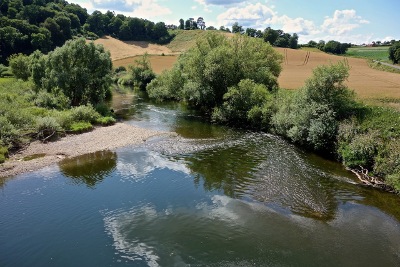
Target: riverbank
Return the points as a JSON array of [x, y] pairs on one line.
[[102, 138]]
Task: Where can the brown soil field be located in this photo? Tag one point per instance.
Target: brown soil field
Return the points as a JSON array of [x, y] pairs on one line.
[[297, 67], [124, 49], [366, 82], [158, 63]]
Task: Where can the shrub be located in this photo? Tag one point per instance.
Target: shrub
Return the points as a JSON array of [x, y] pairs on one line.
[[167, 86], [84, 113], [9, 135], [142, 74], [51, 100], [3, 154], [47, 126], [19, 65], [120, 69], [243, 104], [106, 121], [103, 109], [81, 127]]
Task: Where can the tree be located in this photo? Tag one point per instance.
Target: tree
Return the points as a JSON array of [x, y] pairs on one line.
[[236, 28], [311, 117], [312, 43], [270, 35], [293, 41], [181, 24], [218, 62], [19, 65], [251, 32], [81, 71], [394, 52]]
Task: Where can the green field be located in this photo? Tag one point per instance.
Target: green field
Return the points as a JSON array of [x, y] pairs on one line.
[[376, 53]]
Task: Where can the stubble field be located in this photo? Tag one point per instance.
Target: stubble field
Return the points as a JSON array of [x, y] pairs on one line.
[[369, 84]]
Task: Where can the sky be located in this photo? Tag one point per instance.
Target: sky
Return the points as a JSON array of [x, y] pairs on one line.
[[350, 21]]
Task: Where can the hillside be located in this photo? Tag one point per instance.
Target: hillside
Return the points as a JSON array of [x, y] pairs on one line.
[[369, 84]]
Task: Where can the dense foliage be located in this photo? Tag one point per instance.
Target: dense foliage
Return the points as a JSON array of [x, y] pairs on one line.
[[82, 71], [26, 26], [394, 52], [205, 72]]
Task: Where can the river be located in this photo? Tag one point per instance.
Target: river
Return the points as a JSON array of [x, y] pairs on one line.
[[209, 196]]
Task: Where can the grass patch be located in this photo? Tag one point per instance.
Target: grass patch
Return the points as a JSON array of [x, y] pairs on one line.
[[105, 121], [380, 53], [381, 67], [80, 127]]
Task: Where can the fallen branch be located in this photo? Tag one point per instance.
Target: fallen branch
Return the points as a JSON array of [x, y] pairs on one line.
[[363, 176]]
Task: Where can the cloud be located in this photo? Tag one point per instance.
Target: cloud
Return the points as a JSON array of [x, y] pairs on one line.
[[219, 2], [342, 22], [340, 26], [134, 8], [253, 16]]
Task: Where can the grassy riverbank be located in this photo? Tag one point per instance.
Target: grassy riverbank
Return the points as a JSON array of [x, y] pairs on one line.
[[26, 115]]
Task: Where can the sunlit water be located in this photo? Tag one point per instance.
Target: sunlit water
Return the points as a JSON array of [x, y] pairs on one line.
[[211, 196]]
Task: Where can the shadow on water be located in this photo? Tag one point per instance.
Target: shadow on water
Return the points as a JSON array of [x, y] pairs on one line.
[[90, 169]]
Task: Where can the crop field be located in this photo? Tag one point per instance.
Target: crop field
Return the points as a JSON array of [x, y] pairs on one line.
[[369, 84], [380, 53], [158, 63]]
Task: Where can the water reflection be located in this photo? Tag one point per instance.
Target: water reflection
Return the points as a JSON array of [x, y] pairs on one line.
[[90, 169]]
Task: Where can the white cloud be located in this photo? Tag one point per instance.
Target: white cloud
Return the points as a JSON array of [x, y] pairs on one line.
[[253, 15], [340, 26], [342, 22], [135, 8]]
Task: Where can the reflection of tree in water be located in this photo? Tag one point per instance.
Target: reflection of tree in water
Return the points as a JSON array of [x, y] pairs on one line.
[[89, 169], [269, 171], [227, 169]]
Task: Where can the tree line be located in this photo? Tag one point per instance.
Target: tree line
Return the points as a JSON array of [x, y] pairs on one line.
[[29, 25]]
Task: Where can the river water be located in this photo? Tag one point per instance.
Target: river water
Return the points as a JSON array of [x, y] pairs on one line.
[[209, 196]]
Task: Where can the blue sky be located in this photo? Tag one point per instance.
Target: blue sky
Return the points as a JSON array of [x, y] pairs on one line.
[[355, 21]]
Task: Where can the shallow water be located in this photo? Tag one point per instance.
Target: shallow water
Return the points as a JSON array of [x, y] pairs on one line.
[[212, 196]]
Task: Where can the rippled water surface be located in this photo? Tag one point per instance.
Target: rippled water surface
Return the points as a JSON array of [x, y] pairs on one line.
[[211, 196]]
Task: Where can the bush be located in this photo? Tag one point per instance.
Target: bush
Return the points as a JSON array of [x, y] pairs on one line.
[[142, 74], [120, 69], [243, 105], [80, 127], [3, 154], [84, 113], [103, 109], [51, 100], [106, 121], [167, 86], [47, 126], [19, 65], [9, 135]]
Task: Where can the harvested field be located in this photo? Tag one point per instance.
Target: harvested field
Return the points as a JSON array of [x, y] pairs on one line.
[[366, 82], [297, 67], [124, 49], [158, 63]]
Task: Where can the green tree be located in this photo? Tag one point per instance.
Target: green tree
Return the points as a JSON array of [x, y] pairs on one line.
[[236, 28], [244, 105], [181, 24], [394, 52], [82, 71], [19, 65], [311, 116], [270, 35], [218, 62]]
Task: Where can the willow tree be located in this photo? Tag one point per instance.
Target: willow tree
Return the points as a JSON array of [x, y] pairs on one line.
[[213, 65], [82, 71]]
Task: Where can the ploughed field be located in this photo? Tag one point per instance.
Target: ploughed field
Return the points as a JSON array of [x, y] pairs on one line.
[[297, 66]]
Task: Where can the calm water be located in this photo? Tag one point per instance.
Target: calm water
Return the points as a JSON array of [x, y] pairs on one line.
[[211, 196]]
